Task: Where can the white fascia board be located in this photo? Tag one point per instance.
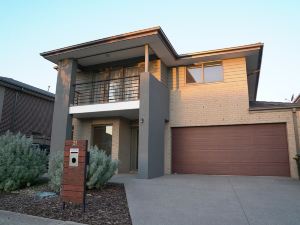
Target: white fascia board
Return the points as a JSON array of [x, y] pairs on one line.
[[106, 107]]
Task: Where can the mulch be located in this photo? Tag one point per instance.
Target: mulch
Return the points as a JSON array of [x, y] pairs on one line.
[[105, 206]]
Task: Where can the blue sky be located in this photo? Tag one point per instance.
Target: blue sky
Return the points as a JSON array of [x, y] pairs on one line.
[[31, 27]]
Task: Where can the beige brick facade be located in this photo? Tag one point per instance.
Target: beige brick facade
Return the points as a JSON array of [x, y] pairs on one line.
[[220, 103]]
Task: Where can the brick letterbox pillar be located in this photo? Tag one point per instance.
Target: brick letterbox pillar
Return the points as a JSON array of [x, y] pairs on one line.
[[74, 172]]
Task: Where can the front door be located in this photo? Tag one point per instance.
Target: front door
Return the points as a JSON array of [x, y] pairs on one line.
[[134, 148]]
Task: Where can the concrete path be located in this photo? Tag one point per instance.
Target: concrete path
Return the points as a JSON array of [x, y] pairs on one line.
[[12, 218], [212, 200]]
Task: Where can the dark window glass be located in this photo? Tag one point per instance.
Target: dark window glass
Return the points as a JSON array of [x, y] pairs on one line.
[[194, 75], [103, 138]]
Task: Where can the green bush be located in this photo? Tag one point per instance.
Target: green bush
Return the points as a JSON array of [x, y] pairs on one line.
[[100, 169], [21, 164], [55, 171]]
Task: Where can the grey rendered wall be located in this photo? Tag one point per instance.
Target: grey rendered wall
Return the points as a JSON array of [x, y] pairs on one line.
[[62, 121], [154, 112]]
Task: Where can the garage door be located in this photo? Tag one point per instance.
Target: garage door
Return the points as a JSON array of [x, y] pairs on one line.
[[259, 150]]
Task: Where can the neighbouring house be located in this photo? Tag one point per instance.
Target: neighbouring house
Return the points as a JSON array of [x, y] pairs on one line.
[[26, 109], [160, 112], [297, 99]]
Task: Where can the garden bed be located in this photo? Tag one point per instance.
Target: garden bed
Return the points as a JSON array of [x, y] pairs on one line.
[[106, 206]]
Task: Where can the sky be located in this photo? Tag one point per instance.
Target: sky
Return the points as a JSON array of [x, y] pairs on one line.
[[28, 28]]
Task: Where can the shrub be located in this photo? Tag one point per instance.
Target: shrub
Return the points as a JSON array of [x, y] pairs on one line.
[[55, 171], [21, 164], [101, 168]]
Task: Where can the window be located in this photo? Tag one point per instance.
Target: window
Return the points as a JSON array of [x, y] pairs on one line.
[[131, 84], [115, 85], [194, 75], [205, 73], [103, 138]]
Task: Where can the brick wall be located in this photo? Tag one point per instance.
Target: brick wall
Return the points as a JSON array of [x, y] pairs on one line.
[[220, 103]]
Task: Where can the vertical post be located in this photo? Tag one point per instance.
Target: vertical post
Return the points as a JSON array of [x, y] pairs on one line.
[[297, 157], [62, 121], [146, 58], [152, 117]]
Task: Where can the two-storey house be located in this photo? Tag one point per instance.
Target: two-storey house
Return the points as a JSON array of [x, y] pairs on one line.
[[159, 112]]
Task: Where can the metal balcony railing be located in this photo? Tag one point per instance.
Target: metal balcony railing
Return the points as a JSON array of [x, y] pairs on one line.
[[106, 91]]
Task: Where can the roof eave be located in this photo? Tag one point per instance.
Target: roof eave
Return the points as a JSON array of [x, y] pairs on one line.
[[135, 34], [151, 31], [257, 46]]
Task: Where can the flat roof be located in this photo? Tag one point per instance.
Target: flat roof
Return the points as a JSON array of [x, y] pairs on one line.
[[131, 45], [146, 32]]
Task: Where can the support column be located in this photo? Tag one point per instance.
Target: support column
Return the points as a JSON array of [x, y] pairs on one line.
[[146, 58], [295, 122], [153, 114], [62, 121]]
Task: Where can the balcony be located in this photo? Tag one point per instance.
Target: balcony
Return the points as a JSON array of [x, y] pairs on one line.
[[107, 91], [113, 97]]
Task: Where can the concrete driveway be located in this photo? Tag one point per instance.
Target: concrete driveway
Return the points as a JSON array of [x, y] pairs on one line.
[[215, 200]]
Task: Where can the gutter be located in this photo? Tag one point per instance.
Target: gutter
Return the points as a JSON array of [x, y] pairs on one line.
[[273, 108]]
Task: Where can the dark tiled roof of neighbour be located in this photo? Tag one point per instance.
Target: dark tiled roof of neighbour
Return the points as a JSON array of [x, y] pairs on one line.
[[260, 105], [14, 84], [297, 99]]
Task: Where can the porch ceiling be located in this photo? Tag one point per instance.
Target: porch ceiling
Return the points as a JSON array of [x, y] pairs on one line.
[[132, 114]]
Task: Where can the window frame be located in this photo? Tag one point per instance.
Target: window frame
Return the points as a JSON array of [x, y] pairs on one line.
[[202, 65]]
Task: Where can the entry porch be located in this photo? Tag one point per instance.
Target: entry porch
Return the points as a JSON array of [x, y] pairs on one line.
[[117, 136]]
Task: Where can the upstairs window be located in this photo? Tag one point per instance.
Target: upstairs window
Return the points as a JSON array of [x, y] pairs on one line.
[[205, 73]]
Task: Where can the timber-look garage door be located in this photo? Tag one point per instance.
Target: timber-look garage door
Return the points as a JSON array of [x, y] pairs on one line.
[[259, 150]]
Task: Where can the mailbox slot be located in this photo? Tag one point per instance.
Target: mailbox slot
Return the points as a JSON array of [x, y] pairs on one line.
[[73, 161]]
